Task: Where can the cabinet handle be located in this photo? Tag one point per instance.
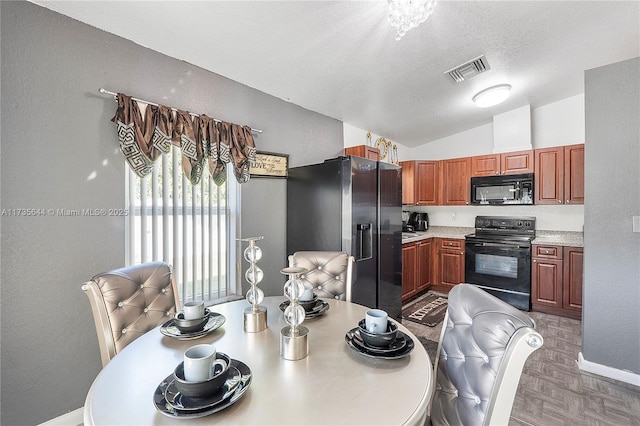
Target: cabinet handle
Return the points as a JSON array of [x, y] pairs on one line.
[[560, 201], [567, 201], [535, 261]]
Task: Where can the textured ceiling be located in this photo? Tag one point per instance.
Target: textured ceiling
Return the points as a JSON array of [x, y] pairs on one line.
[[341, 58]]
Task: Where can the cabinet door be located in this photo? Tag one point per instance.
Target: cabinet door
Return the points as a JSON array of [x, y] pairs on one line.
[[513, 163], [451, 267], [425, 264], [485, 165], [546, 283], [408, 182], [572, 280], [363, 151], [456, 174], [409, 270], [548, 175], [428, 182], [574, 174]]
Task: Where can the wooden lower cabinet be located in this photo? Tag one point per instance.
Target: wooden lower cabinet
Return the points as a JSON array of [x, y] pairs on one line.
[[556, 280], [409, 270], [417, 267], [450, 266]]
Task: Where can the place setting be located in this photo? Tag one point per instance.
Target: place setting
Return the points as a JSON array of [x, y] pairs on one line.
[[205, 382], [312, 304], [192, 322], [378, 337]]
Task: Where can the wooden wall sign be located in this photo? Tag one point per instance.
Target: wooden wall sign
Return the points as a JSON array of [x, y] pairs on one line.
[[270, 164]]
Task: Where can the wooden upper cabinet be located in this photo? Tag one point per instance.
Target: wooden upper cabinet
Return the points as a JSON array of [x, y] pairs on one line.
[[420, 183], [548, 175], [508, 163], [574, 174], [428, 183], [559, 175], [363, 151], [513, 163], [456, 174], [485, 165]]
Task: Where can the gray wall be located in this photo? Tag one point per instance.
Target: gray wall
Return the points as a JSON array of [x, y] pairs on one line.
[[611, 306], [55, 134]]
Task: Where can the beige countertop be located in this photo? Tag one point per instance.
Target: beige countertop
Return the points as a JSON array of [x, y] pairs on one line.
[[558, 238], [439, 232]]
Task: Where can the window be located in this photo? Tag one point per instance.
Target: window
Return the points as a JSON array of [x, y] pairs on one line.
[[193, 228]]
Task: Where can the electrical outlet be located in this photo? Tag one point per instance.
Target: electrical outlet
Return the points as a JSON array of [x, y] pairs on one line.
[[636, 223]]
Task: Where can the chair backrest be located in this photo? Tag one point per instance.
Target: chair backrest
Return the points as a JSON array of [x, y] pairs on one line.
[[483, 347], [329, 272], [130, 301]]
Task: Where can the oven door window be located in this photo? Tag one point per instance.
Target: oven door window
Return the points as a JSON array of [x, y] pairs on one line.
[[498, 266]]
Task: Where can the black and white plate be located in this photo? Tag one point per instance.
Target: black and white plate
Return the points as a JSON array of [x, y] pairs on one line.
[[206, 408], [319, 309], [215, 321], [184, 403], [361, 348], [398, 344]]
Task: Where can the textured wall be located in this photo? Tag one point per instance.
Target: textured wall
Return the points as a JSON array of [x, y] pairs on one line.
[[59, 151], [611, 314]]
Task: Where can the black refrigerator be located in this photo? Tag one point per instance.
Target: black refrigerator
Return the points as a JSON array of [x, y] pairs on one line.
[[354, 205]]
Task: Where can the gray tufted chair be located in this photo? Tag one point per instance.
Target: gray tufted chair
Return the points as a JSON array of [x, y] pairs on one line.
[[130, 301], [483, 347], [329, 272]]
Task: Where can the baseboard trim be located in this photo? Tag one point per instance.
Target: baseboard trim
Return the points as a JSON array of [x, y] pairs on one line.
[[72, 418], [606, 371]]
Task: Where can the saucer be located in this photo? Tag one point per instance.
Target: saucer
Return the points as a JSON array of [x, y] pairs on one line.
[[398, 344], [319, 309], [177, 400], [164, 407], [215, 321], [352, 341]]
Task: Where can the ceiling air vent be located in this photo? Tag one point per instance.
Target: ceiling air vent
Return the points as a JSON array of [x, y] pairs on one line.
[[469, 69]]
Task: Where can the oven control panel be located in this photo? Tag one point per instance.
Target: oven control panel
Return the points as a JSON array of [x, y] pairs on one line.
[[515, 225]]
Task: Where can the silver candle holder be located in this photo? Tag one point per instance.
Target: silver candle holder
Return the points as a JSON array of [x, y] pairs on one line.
[[294, 342], [255, 316]]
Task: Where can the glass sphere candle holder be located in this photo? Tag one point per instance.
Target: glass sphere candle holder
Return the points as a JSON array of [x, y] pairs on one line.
[[294, 342], [255, 316]]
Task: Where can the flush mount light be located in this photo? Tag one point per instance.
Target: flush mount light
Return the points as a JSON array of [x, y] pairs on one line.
[[492, 95]]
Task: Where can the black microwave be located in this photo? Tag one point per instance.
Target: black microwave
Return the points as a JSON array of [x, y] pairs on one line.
[[502, 190]]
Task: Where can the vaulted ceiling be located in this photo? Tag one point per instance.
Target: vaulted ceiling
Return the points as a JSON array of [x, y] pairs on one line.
[[340, 58]]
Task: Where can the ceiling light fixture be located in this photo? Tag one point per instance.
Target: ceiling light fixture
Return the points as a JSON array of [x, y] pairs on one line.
[[492, 95], [408, 14]]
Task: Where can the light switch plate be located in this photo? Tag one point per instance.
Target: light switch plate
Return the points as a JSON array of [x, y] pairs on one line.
[[636, 223]]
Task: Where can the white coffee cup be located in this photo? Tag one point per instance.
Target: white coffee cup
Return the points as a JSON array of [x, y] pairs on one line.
[[193, 310], [376, 321], [200, 363], [308, 293]]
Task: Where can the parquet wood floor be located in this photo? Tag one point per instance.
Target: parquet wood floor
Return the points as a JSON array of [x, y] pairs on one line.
[[554, 391]]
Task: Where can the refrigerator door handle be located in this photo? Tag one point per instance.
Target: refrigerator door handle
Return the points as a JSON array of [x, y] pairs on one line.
[[364, 241]]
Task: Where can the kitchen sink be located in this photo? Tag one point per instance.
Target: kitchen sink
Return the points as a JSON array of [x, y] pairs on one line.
[[406, 235]]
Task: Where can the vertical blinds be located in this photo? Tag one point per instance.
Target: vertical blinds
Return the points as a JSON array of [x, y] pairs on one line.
[[187, 226]]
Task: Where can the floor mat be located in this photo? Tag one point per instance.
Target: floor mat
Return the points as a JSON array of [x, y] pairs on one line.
[[429, 311]]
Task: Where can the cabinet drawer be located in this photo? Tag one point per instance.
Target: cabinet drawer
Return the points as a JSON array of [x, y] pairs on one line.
[[547, 252], [447, 243]]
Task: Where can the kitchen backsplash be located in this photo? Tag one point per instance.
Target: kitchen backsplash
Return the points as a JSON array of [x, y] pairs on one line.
[[548, 217]]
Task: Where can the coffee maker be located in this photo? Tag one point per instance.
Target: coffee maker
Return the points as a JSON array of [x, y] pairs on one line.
[[405, 222], [419, 221]]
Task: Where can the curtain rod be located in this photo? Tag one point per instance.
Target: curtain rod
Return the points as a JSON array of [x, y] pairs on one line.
[[108, 92]]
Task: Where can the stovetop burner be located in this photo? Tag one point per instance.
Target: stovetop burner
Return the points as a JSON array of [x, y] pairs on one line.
[[503, 228]]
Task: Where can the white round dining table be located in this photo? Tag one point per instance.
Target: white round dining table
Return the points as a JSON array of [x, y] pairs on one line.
[[333, 385]]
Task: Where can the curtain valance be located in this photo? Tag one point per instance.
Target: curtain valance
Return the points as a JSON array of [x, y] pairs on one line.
[[201, 140]]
